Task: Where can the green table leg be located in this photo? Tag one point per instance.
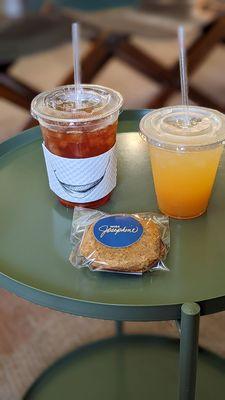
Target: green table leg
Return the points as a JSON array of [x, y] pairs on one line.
[[190, 313], [119, 328]]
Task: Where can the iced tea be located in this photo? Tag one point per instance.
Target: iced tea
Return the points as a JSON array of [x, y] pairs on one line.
[[79, 145]]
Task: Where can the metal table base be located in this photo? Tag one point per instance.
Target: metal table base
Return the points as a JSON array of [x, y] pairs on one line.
[[127, 367]]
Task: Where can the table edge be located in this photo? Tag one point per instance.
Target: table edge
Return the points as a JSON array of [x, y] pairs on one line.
[[116, 312]]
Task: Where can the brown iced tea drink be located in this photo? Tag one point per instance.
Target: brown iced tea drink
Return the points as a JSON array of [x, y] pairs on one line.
[[86, 145], [79, 142]]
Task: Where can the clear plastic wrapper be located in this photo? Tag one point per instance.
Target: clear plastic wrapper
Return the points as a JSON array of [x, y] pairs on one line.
[[122, 243]]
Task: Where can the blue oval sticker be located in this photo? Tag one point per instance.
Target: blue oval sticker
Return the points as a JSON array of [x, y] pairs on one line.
[[118, 231]]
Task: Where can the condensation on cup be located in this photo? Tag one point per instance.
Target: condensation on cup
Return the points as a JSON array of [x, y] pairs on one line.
[[79, 142]]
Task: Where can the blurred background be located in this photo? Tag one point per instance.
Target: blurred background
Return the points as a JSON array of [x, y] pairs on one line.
[[132, 47], [128, 45]]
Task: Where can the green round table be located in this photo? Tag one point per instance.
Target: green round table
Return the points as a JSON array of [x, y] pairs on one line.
[[35, 245]]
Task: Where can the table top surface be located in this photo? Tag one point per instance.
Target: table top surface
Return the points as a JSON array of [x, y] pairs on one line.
[[35, 245]]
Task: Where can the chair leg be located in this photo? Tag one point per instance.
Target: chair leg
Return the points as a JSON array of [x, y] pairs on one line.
[[194, 94], [142, 62], [98, 55], [196, 54], [201, 47], [100, 52], [30, 123], [161, 98], [105, 46], [16, 92], [119, 328], [203, 100]]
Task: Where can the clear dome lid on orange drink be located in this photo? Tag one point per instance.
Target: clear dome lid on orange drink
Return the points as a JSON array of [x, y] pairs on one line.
[[64, 104], [178, 128]]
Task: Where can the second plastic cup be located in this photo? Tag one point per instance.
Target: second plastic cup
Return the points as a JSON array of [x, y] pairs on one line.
[[79, 132], [184, 157]]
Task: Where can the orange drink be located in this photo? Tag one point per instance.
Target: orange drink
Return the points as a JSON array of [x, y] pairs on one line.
[[184, 157], [192, 183]]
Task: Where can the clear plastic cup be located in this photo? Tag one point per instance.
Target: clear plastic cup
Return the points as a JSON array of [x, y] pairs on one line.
[[184, 157], [79, 133]]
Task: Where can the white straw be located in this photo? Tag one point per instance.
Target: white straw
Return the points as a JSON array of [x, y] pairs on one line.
[[76, 60], [183, 71]]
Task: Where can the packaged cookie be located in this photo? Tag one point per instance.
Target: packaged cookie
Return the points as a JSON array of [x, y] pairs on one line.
[[122, 243]]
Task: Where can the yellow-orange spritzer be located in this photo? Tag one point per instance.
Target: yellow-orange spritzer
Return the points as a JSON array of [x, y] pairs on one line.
[[185, 152], [184, 181]]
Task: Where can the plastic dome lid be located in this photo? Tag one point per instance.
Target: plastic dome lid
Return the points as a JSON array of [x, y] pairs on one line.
[[63, 104], [174, 128]]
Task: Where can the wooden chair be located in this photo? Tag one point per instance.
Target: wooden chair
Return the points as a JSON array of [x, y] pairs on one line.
[[116, 27], [110, 32], [23, 36], [32, 33]]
